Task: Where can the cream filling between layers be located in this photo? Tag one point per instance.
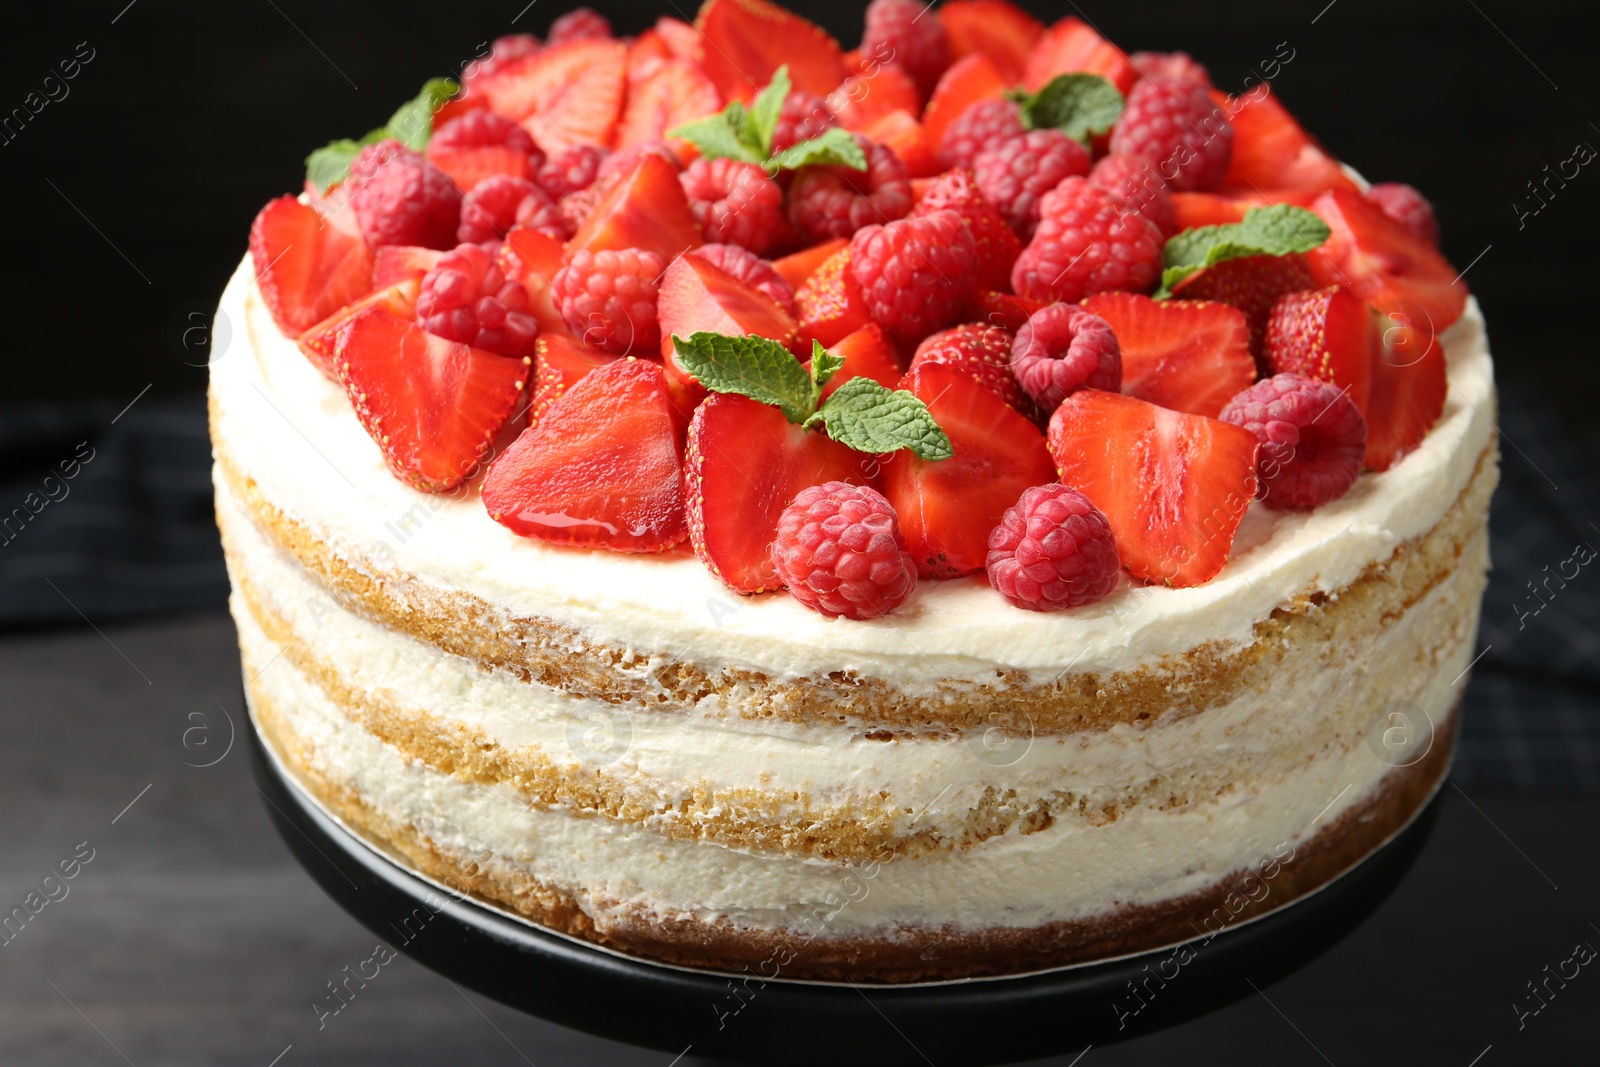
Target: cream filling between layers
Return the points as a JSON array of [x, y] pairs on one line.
[[293, 432]]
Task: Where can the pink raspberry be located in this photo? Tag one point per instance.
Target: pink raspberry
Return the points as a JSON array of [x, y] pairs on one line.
[[1135, 182], [1087, 242], [1014, 174], [496, 204], [1175, 125], [914, 273], [1313, 439], [1172, 66], [1408, 207], [977, 129], [1063, 348], [486, 129], [579, 24], [735, 203], [467, 298], [501, 53], [571, 169], [751, 269], [609, 298], [907, 32], [402, 199], [838, 548], [1053, 550], [998, 247], [803, 118], [829, 202]]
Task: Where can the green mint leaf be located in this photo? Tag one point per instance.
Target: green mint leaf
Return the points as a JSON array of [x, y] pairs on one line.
[[1278, 230], [755, 367], [871, 418], [1080, 105], [412, 124], [824, 365], [767, 107], [836, 147], [730, 133], [330, 164]]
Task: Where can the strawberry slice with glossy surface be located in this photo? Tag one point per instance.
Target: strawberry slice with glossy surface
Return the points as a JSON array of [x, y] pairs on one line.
[[559, 362], [1272, 152], [900, 130], [669, 93], [699, 297], [601, 468], [320, 343], [744, 464], [1188, 355], [568, 94], [969, 80], [306, 270], [469, 166], [645, 209], [866, 354], [1381, 261], [1409, 383], [996, 28], [830, 303], [799, 266], [745, 41], [532, 258], [1006, 310], [433, 406], [396, 263], [872, 90], [1073, 45], [1253, 284], [1173, 486], [947, 508]]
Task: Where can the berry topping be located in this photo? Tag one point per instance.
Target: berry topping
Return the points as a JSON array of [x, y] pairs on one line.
[[467, 298], [830, 303], [306, 270], [1408, 207], [1135, 182], [981, 351], [838, 549], [1072, 45], [745, 41], [1086, 243], [665, 96], [1312, 439], [559, 363], [571, 169], [866, 354], [1174, 487], [402, 199], [874, 89], [1328, 335], [997, 29], [735, 203], [579, 24], [998, 247], [576, 208], [1171, 66], [799, 266], [1061, 349], [803, 117], [1176, 126], [898, 29], [1252, 284], [699, 297], [496, 204], [1187, 355], [1053, 550], [750, 269], [646, 209], [1272, 152], [608, 298], [1017, 172], [1006, 310], [564, 94], [501, 53], [829, 201], [393, 263], [320, 343], [985, 125], [532, 258], [480, 144], [1384, 263], [914, 273]]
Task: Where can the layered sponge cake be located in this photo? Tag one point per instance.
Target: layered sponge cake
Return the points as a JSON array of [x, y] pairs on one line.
[[717, 514]]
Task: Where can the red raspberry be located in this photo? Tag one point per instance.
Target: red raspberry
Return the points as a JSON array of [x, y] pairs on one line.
[[1176, 126], [907, 32], [402, 199], [496, 204], [579, 24], [486, 129], [1408, 207], [1086, 243], [829, 202], [735, 203], [571, 169], [466, 298], [1171, 66], [1053, 550], [980, 351], [803, 117], [609, 298], [1063, 348], [998, 247], [979, 128], [750, 268], [1135, 182], [838, 548], [1014, 174], [504, 50], [914, 273], [1312, 436]]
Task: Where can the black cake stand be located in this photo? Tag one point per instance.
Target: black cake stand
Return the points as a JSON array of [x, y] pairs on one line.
[[726, 1018]]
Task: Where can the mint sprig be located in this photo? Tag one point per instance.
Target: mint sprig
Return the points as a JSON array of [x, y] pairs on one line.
[[745, 134], [1278, 230], [861, 413], [1080, 105], [411, 125]]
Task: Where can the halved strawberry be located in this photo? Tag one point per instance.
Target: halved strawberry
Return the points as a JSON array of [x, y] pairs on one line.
[[433, 406], [672, 92], [564, 95], [999, 29], [830, 303], [306, 270], [645, 54], [320, 343], [681, 38], [1000, 309], [1384, 263], [1327, 334], [1272, 153], [796, 268], [900, 130], [1073, 45], [1212, 209], [873, 90], [699, 297], [1174, 487], [645, 209], [457, 106], [558, 364], [1250, 283], [744, 464], [1409, 383], [601, 468], [1188, 355], [745, 41], [532, 258], [948, 507], [998, 246], [469, 166], [396, 263], [866, 354], [967, 81]]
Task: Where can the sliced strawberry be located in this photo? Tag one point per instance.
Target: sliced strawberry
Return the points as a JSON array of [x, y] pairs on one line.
[[745, 463], [745, 41], [1174, 487], [681, 38], [1327, 334], [645, 53], [1409, 384], [1378, 259], [672, 92], [469, 166], [803, 264], [1000, 309], [900, 130], [1272, 153], [830, 303], [1250, 283], [644, 209], [1211, 209], [1073, 45], [698, 297], [866, 354], [969, 80], [306, 270], [872, 91], [998, 29], [557, 366], [457, 106], [1188, 355], [601, 468], [321, 342], [433, 406], [564, 95], [532, 258], [395, 263]]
